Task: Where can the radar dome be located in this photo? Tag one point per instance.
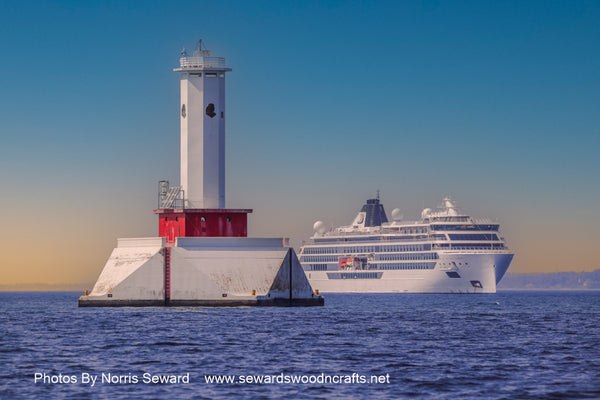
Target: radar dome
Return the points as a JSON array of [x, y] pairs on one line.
[[319, 227], [425, 213], [397, 214]]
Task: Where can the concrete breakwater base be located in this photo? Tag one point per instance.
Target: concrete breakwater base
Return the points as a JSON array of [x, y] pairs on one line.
[[202, 271]]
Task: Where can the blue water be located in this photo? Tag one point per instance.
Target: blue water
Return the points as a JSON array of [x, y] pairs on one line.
[[525, 345]]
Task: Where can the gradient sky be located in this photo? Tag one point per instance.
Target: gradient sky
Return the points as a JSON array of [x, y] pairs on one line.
[[496, 103]]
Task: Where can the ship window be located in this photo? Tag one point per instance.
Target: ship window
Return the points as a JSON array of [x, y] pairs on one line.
[[319, 267], [467, 236]]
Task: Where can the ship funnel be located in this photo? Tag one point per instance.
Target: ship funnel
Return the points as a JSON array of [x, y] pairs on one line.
[[374, 213]]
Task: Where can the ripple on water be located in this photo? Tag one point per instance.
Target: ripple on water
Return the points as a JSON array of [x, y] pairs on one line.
[[505, 345]]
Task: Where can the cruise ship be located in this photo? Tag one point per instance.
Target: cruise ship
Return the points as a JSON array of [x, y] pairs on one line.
[[446, 251]]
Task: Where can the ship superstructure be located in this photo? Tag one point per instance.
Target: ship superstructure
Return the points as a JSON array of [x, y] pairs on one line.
[[445, 251]]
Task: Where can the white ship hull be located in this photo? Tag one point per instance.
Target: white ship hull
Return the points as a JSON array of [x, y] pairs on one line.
[[453, 273], [444, 252]]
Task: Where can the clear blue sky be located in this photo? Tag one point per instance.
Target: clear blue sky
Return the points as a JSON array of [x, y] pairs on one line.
[[496, 103]]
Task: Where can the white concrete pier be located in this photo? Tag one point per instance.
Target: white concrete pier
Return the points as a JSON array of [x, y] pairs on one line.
[[202, 272]]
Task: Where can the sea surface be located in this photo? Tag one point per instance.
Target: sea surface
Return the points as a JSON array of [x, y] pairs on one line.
[[508, 345]]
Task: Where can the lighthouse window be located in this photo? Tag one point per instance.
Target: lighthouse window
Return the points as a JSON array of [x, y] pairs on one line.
[[203, 219], [228, 219], [211, 75], [210, 110], [221, 114]]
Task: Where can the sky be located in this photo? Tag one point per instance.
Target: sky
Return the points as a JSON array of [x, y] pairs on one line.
[[495, 103]]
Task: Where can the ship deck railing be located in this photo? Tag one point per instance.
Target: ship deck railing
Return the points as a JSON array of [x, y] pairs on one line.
[[474, 251]]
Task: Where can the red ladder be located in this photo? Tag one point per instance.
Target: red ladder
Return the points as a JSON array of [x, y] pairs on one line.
[[167, 253]]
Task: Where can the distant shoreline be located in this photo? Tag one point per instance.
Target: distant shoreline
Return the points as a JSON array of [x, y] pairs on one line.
[[45, 288], [547, 289], [512, 281], [551, 281]]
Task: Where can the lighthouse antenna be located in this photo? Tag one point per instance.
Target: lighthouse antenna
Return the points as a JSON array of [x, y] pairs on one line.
[[201, 52]]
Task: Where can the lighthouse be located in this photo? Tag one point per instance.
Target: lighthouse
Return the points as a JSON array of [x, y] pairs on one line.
[[202, 255], [202, 129], [196, 208]]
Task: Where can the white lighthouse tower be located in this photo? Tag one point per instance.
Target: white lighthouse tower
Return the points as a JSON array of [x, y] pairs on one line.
[[197, 207], [202, 129]]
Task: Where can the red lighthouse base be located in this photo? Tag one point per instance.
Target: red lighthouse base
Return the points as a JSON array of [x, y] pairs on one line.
[[202, 222]]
